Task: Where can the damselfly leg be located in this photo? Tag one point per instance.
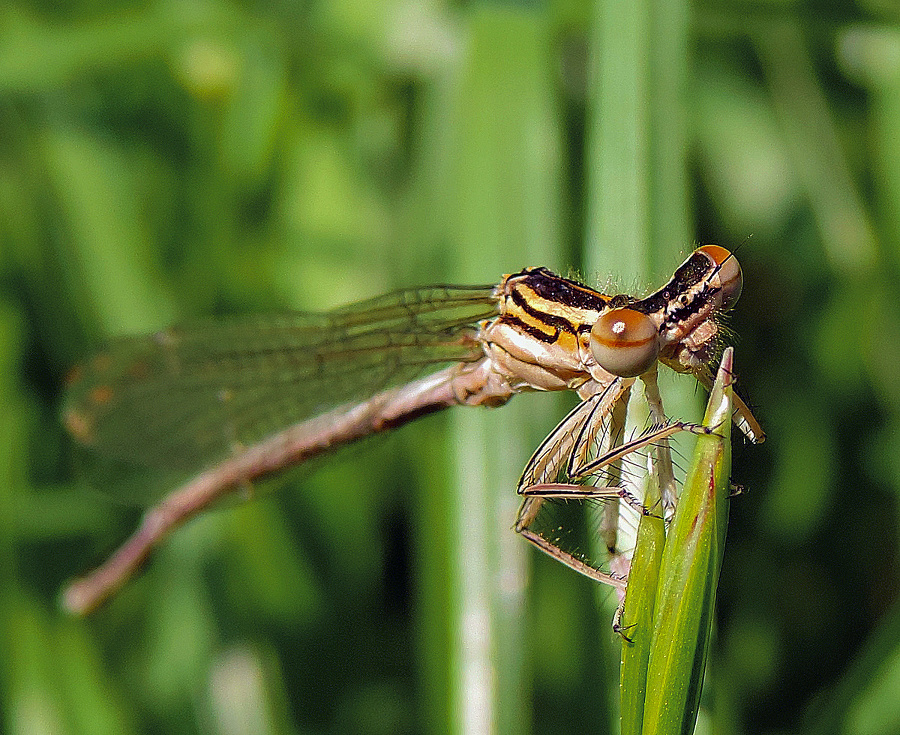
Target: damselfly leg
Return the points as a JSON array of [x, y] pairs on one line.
[[586, 447]]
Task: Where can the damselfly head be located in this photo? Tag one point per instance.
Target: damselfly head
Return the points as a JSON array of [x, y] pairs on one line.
[[708, 283]]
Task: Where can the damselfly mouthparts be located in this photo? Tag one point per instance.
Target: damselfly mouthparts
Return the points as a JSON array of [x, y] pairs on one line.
[[219, 404]]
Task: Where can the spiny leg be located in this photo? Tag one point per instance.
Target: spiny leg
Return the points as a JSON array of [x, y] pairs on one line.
[[665, 474], [576, 436], [572, 439], [609, 525], [537, 495], [654, 436], [564, 491], [527, 513], [573, 436]]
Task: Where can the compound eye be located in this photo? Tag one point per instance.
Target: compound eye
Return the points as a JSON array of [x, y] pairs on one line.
[[729, 277], [624, 342]]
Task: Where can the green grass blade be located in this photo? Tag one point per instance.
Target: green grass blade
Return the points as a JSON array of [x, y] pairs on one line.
[[503, 129], [689, 574], [637, 616]]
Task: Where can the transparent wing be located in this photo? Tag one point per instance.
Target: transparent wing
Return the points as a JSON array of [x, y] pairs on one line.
[[186, 398]]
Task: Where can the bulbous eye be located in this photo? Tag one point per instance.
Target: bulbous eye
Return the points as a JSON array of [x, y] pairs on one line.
[[729, 278], [624, 342]]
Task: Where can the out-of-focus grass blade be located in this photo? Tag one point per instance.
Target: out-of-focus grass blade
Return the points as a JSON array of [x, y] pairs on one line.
[[637, 617], [689, 573]]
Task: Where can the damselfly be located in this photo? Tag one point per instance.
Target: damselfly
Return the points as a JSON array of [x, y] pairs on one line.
[[214, 406]]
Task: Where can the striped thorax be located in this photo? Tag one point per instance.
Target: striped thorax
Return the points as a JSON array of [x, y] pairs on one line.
[[553, 333]]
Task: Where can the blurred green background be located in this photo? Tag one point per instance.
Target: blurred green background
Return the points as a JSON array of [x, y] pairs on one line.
[[161, 161]]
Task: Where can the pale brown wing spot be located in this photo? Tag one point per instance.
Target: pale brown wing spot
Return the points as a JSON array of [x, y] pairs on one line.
[[139, 370], [79, 426], [101, 395], [74, 375]]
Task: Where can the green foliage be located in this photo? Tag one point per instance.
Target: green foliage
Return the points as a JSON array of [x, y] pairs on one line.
[[163, 161], [670, 601], [638, 613], [689, 573]]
